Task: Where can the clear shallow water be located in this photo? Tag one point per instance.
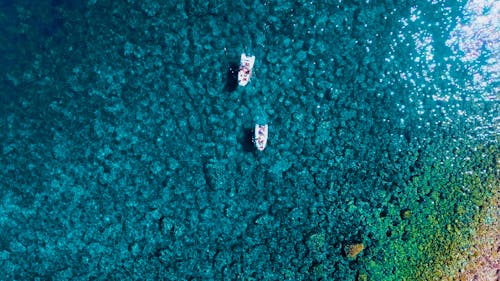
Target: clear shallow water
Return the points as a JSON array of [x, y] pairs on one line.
[[126, 149]]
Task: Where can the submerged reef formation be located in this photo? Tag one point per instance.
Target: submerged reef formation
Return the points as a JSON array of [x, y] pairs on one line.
[[481, 259], [124, 151], [451, 234]]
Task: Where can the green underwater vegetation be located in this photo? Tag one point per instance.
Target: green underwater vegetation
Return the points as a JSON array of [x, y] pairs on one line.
[[429, 237]]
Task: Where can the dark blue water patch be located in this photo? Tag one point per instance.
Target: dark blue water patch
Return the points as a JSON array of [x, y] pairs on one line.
[[232, 77]]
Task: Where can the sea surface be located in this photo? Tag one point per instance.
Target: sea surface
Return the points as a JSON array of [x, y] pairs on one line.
[[126, 144]]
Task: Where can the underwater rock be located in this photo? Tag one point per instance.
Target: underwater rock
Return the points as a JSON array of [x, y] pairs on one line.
[[353, 250], [405, 214]]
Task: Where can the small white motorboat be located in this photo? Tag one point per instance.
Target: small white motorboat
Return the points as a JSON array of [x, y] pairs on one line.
[[260, 137], [245, 72]]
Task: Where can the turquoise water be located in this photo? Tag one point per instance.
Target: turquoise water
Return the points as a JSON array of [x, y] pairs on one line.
[[126, 146]]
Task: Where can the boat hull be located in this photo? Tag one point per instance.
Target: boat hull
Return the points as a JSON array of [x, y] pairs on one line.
[[260, 137], [245, 72]]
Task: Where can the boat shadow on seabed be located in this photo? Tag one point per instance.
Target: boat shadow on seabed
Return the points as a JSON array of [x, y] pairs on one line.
[[245, 139], [232, 77]]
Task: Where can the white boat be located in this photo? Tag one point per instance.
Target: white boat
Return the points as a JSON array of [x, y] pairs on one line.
[[245, 72], [260, 137]]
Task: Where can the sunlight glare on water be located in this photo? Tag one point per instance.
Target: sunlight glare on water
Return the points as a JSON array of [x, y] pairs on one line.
[[476, 41], [456, 64]]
